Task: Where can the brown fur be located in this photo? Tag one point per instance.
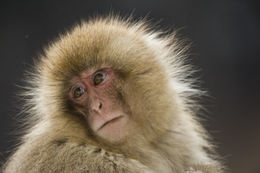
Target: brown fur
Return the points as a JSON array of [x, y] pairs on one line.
[[165, 136]]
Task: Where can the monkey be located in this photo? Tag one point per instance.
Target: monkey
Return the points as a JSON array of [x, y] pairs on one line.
[[113, 95]]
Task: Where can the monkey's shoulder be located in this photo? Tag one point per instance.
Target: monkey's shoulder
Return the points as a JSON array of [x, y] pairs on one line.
[[92, 158], [65, 155]]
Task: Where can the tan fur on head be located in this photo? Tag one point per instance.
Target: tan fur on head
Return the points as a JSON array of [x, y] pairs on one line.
[[155, 83]]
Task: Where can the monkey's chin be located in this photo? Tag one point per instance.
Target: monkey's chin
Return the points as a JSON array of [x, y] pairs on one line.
[[114, 130]]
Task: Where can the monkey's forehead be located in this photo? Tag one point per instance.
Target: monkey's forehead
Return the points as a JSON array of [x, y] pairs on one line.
[[111, 42]]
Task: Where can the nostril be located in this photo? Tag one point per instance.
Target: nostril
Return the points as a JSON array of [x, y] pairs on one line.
[[100, 106]]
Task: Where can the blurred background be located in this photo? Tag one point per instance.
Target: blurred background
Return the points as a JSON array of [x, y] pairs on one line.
[[226, 47]]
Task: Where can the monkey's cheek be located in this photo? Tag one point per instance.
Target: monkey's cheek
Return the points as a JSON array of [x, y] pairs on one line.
[[115, 130]]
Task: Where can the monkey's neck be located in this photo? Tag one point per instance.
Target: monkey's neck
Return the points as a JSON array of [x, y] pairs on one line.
[[161, 155]]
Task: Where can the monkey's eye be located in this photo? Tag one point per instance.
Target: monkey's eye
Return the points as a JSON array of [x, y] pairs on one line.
[[77, 92], [99, 77]]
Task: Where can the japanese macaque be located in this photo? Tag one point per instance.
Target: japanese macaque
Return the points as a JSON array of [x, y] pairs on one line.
[[111, 95]]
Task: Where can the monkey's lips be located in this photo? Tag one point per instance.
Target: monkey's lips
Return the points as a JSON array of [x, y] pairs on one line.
[[111, 121], [112, 128]]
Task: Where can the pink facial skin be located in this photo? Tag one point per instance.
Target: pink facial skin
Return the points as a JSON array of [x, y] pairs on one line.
[[93, 94]]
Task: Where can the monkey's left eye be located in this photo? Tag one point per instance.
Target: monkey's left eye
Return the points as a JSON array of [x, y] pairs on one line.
[[77, 92], [99, 77]]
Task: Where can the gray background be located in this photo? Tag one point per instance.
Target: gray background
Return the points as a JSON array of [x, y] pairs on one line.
[[225, 36]]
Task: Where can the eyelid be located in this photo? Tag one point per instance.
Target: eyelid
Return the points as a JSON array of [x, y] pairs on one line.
[[76, 85], [100, 70]]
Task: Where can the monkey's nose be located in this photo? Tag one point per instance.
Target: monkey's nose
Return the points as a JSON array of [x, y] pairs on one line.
[[100, 106], [97, 108]]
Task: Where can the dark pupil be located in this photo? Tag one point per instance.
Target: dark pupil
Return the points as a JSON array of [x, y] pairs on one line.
[[99, 77], [78, 92]]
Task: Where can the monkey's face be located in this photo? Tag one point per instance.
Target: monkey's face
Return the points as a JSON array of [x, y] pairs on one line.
[[113, 79], [93, 94]]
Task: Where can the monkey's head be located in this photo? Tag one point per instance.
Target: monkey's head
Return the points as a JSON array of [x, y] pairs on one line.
[[114, 75]]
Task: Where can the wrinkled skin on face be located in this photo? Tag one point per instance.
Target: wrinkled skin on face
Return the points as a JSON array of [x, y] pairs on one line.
[[93, 94]]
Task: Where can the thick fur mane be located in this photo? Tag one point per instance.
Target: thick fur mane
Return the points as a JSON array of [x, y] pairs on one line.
[[170, 128]]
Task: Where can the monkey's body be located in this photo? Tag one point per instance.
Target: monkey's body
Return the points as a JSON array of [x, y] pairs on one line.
[[64, 156], [147, 85]]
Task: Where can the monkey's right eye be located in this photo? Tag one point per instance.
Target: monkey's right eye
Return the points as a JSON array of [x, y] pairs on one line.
[[77, 92]]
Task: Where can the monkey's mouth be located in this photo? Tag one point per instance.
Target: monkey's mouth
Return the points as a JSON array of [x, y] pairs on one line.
[[113, 120]]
